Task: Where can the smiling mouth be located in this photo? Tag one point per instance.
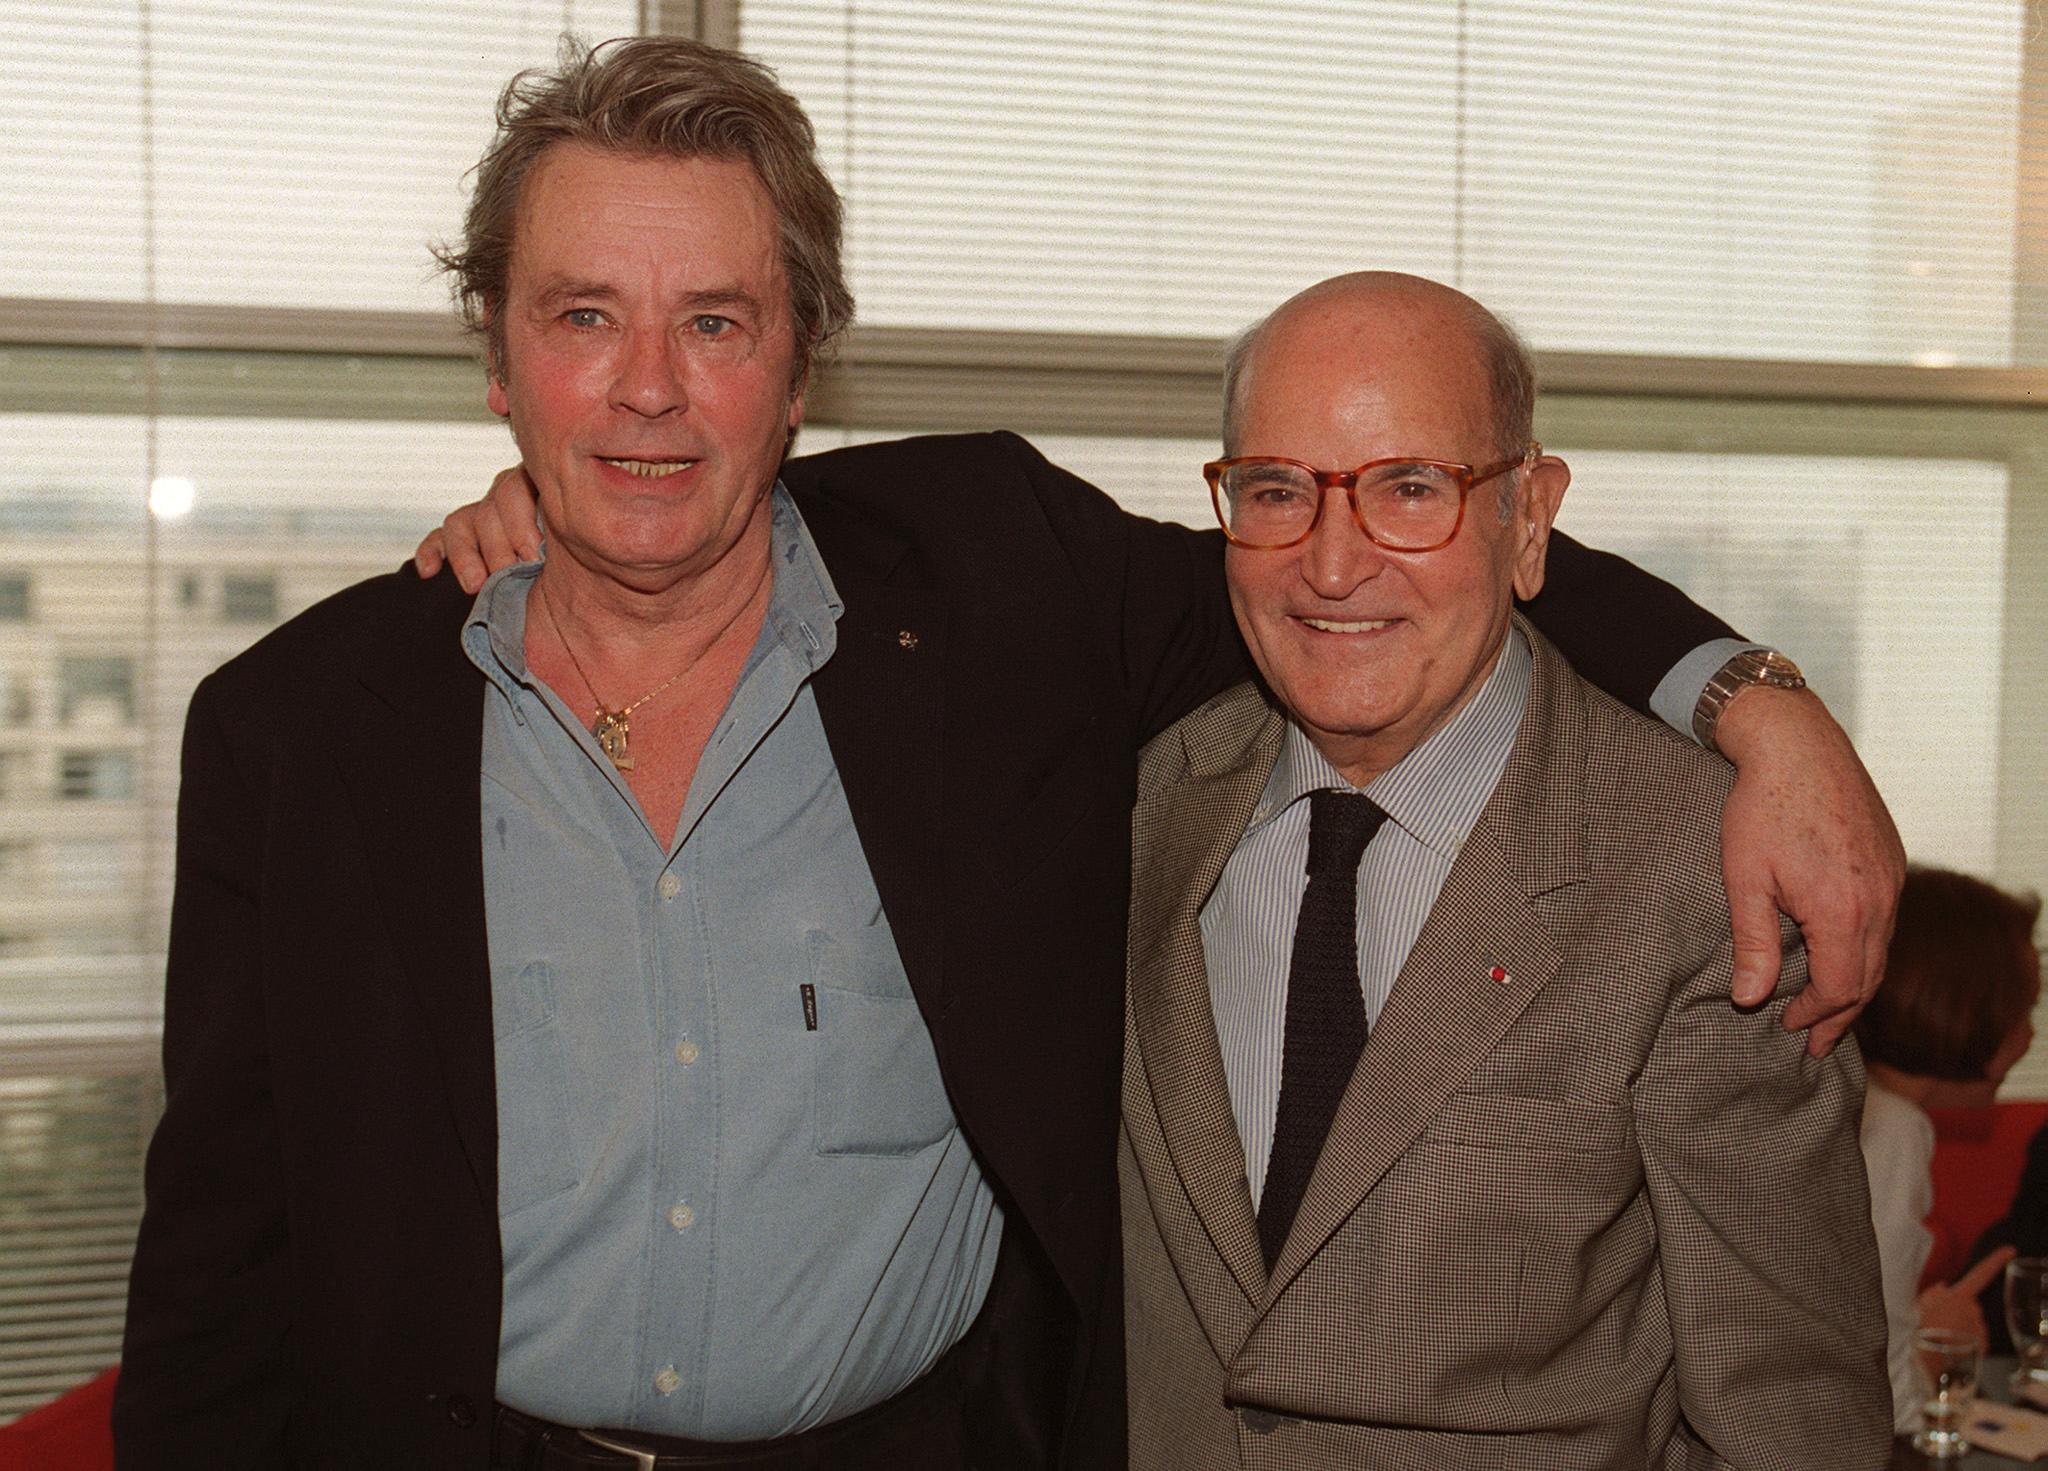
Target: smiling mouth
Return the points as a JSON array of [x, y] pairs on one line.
[[647, 469], [1363, 625]]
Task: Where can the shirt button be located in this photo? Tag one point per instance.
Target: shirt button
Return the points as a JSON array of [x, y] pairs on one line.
[[686, 1053], [670, 886], [682, 1218], [668, 1381]]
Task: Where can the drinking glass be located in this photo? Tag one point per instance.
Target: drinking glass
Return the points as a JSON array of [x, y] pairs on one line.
[[1948, 1370], [2026, 1314]]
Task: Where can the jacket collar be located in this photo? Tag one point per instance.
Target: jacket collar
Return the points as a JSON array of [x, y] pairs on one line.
[[1445, 1014]]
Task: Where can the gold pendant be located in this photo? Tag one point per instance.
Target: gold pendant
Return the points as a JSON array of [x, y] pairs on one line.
[[611, 731]]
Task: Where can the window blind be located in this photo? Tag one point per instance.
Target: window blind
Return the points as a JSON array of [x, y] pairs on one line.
[[252, 152], [1745, 178], [1707, 179]]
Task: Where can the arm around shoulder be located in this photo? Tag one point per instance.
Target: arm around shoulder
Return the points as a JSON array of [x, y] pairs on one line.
[[1805, 830], [1158, 589], [1622, 628]]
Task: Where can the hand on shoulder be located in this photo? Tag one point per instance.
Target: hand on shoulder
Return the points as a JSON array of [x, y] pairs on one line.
[[486, 535], [1805, 831]]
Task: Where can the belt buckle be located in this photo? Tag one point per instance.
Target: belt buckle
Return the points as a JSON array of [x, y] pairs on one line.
[[642, 1460]]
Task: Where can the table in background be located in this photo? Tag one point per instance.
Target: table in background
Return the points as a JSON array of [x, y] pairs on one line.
[[1996, 1382]]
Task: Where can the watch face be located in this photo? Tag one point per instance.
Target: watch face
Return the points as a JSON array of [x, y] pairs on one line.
[[1773, 668], [1750, 667]]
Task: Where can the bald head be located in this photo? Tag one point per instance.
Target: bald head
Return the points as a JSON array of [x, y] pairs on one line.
[[1368, 302], [1370, 648]]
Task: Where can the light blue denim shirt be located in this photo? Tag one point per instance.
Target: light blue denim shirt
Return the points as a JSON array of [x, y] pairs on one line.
[[732, 1207]]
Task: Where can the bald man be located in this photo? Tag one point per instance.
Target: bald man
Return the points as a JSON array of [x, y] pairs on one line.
[[1443, 1145]]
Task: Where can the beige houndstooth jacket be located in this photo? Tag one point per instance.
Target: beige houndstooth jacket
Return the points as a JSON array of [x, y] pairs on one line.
[[1584, 1215]]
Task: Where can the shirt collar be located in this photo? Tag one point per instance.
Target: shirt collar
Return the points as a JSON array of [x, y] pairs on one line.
[[804, 608], [1436, 792], [803, 605]]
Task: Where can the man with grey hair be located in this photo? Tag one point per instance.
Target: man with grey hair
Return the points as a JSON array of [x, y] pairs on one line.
[[1442, 1143], [660, 1007]]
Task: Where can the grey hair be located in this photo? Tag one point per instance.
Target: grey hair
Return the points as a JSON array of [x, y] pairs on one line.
[[659, 97], [1234, 362]]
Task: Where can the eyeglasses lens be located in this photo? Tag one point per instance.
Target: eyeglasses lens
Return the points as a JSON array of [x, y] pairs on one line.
[[1271, 503]]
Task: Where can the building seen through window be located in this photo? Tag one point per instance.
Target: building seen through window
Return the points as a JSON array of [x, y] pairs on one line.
[[17, 703], [248, 599], [96, 690], [103, 776]]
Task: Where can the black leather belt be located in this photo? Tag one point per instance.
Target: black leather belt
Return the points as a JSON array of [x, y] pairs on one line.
[[522, 1442]]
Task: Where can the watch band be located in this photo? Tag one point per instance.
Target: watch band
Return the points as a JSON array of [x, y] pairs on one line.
[[1750, 667]]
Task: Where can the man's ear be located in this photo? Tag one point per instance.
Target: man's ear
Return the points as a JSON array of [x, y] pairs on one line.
[[495, 397], [799, 396], [1543, 488]]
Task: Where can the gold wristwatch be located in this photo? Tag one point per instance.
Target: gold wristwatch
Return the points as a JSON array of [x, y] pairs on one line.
[[1751, 666]]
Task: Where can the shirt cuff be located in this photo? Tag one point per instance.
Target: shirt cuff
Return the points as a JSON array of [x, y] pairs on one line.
[[1678, 692]]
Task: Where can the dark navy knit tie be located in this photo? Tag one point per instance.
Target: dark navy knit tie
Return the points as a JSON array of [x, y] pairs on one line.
[[1325, 1012]]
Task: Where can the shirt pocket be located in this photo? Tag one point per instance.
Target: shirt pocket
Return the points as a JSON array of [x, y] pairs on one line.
[[534, 1159], [875, 1079]]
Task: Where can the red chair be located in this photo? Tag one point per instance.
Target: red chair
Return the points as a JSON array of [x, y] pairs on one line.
[[71, 1433], [1978, 1154]]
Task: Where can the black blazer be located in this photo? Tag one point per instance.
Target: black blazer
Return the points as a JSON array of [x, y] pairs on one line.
[[317, 1277]]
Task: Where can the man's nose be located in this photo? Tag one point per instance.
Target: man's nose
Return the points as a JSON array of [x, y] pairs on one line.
[[1338, 556], [650, 380]]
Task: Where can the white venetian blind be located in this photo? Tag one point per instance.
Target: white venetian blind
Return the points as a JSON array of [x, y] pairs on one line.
[[1822, 181], [298, 154], [1750, 178], [269, 153]]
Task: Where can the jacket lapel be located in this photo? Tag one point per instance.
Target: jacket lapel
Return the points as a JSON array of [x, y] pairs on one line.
[[1183, 835], [1447, 1010], [410, 753], [881, 698]]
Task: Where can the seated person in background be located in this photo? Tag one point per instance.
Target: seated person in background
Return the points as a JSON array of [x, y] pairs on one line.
[[2023, 1231], [1953, 1016]]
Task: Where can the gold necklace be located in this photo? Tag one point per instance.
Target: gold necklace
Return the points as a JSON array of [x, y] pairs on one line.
[[611, 727]]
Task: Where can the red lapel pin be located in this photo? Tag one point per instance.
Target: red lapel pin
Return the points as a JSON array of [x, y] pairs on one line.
[[1501, 975]]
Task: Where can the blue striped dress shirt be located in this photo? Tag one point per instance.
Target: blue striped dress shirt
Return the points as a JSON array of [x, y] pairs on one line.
[[1432, 797]]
